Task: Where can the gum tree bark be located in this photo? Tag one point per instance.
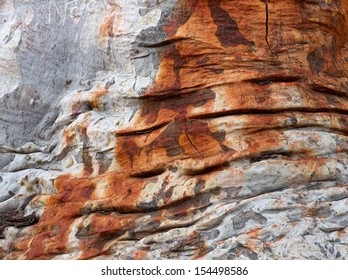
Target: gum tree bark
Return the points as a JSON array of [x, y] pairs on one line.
[[174, 129]]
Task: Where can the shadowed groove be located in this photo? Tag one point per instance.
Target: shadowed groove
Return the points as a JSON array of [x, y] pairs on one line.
[[163, 43], [240, 112], [143, 174], [141, 131], [275, 79]]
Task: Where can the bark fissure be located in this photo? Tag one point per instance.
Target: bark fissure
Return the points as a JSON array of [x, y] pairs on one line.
[[141, 131], [266, 23], [188, 138], [255, 111]]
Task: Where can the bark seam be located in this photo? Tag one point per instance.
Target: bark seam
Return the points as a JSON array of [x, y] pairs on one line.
[[188, 138], [266, 23]]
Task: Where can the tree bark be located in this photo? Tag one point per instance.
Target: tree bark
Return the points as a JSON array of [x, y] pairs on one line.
[[174, 129]]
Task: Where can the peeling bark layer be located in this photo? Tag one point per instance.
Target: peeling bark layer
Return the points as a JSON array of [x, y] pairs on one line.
[[184, 129]]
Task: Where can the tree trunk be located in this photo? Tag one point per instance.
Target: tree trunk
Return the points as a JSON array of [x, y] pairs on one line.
[[174, 129]]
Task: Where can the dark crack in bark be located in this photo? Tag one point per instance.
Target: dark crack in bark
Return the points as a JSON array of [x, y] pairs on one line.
[[266, 2], [188, 138]]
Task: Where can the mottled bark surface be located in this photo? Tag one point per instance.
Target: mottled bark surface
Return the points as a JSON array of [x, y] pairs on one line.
[[174, 129]]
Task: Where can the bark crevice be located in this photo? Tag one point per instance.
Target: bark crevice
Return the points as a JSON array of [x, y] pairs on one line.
[[266, 2], [188, 138]]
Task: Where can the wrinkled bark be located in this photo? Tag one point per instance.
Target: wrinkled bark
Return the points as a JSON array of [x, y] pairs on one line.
[[174, 129]]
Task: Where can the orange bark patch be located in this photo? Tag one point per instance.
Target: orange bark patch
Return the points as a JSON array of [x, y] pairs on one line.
[[254, 233], [95, 97], [140, 255]]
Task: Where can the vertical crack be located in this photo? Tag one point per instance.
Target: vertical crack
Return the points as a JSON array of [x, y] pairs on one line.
[[188, 138], [266, 23]]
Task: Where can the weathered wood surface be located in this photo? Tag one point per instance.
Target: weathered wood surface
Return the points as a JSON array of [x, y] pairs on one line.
[[184, 129]]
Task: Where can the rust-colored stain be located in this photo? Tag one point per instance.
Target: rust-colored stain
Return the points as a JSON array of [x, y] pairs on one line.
[[109, 23], [140, 255], [96, 96], [62, 209], [254, 233]]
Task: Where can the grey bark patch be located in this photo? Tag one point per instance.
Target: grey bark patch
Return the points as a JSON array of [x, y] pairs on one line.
[[210, 235], [149, 227], [5, 159], [200, 184], [316, 60], [49, 66], [239, 251], [104, 162], [241, 219]]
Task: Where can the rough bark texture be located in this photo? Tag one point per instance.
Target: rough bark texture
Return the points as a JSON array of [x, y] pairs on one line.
[[174, 129]]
